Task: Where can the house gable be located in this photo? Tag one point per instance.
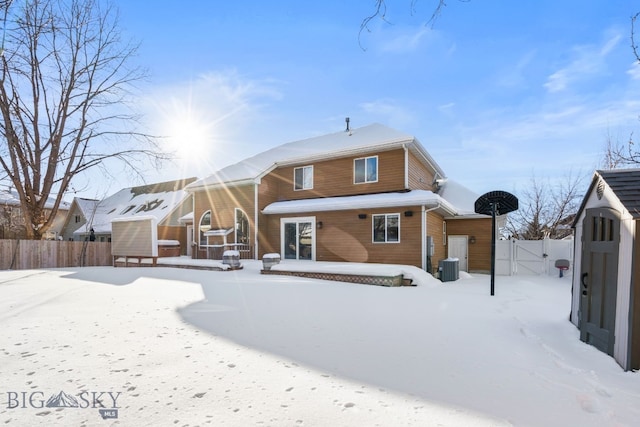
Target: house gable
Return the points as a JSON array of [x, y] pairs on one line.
[[354, 143]]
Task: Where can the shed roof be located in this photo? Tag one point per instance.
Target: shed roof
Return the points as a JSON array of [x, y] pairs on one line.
[[625, 183]]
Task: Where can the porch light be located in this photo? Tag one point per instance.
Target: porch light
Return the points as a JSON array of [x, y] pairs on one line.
[[472, 239], [319, 225]]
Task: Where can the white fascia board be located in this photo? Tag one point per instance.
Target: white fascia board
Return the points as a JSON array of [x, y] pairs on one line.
[[218, 185], [362, 150]]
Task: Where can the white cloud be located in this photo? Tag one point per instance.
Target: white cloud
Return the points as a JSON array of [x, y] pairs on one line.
[[405, 39], [634, 70], [589, 60], [389, 111]]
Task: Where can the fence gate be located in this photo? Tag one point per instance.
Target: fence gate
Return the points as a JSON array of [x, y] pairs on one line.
[[531, 257]]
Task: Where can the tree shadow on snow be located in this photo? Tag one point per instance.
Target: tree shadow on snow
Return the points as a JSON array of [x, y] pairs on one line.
[[354, 331]]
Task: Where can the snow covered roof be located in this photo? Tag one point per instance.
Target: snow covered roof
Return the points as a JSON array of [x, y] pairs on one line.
[[11, 198], [186, 218], [154, 200], [339, 144], [367, 201], [459, 196]]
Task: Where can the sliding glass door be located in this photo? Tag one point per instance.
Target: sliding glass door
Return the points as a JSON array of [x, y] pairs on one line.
[[298, 238]]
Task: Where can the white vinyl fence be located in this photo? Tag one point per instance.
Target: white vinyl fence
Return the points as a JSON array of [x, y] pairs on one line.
[[532, 257]]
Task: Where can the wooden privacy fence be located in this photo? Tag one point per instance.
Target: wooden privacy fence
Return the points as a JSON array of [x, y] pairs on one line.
[[28, 254]]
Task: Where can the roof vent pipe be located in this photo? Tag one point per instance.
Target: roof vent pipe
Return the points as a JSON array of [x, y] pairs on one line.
[[347, 120]]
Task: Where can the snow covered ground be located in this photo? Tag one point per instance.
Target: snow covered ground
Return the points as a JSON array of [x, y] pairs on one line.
[[169, 346]]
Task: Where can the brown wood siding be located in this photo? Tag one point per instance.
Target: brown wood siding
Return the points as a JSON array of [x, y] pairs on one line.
[[434, 229], [174, 233], [336, 177], [268, 233], [222, 203], [344, 237], [420, 177], [479, 253]]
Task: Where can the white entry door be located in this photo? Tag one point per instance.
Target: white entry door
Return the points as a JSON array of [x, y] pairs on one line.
[[458, 248], [190, 239]]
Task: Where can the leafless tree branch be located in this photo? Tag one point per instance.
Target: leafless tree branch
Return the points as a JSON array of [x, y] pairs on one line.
[[65, 80]]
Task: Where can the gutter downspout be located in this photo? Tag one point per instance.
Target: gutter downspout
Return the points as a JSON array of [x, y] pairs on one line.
[[423, 215], [193, 229], [255, 221], [406, 166]]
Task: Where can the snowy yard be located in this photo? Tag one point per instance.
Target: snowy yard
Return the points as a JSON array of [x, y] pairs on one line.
[[168, 346]]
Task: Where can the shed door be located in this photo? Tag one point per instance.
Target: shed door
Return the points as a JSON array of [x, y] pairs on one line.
[[458, 246], [599, 277]]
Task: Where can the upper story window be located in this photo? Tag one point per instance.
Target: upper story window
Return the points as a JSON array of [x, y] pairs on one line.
[[365, 169], [303, 178], [386, 228]]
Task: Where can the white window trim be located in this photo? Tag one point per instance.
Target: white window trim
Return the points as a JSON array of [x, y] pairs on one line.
[[373, 229], [200, 232], [235, 228], [303, 180], [365, 170], [312, 220]]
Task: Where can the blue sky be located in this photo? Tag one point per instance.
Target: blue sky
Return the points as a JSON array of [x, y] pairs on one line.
[[496, 91]]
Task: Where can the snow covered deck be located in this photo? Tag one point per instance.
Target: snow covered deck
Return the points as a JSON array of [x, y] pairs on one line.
[[349, 272]]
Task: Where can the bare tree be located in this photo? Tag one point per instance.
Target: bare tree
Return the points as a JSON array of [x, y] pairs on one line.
[[546, 210], [64, 84], [617, 154], [380, 12]]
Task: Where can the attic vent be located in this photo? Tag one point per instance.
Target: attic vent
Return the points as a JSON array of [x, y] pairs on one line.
[[600, 189]]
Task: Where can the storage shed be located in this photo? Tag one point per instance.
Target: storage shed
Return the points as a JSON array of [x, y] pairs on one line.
[[606, 279]]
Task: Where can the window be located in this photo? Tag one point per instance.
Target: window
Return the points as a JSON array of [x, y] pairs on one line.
[[303, 178], [366, 170], [77, 218], [205, 225], [242, 227], [386, 228]]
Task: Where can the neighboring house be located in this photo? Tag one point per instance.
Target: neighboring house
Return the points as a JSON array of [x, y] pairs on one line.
[[166, 201], [371, 194], [606, 276], [12, 223]]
